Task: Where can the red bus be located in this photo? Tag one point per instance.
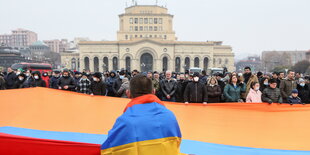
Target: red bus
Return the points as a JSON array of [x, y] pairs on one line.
[[42, 67]]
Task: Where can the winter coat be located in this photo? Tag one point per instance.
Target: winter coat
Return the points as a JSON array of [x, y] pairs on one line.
[[54, 82], [304, 93], [179, 94], [10, 79], [66, 81], [233, 94], [19, 83], [122, 90], [84, 86], [254, 96], [214, 93], [195, 92], [272, 95], [168, 87], [37, 83], [286, 88], [294, 100], [110, 81], [98, 88], [46, 79], [2, 83], [116, 85]]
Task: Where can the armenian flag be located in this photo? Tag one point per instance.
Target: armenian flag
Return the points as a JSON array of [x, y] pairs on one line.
[[47, 121]]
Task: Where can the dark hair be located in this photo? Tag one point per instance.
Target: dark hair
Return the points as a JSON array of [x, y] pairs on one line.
[[230, 79], [247, 67], [272, 81], [275, 73], [289, 71], [253, 84], [140, 85]]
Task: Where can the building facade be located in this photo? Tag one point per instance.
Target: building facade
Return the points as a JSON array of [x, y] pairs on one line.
[[20, 38], [57, 45], [146, 41]]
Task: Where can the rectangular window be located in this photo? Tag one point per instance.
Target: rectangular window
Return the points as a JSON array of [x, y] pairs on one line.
[[136, 28], [150, 28], [155, 20], [131, 21], [155, 28], [141, 21], [136, 20], [141, 28], [131, 28], [145, 28], [160, 28], [146, 20], [160, 20], [151, 20]]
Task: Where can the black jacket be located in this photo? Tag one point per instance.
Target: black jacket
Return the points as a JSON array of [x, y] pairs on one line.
[[54, 82], [98, 88], [38, 83], [10, 79], [116, 85], [195, 92], [179, 95], [19, 83], [66, 81], [304, 93], [168, 87]]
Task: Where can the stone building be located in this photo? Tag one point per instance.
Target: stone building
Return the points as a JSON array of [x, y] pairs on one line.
[[146, 41]]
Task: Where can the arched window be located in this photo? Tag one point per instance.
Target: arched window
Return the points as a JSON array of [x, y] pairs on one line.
[[105, 65], [165, 63], [187, 63], [128, 64], [196, 62], [220, 61], [96, 64], [86, 63], [115, 63], [205, 63], [73, 64], [177, 64], [226, 61]]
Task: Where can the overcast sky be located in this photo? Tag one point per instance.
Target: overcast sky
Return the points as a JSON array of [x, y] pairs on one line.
[[249, 26]]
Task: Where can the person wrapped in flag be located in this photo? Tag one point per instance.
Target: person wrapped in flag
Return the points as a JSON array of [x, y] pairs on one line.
[[146, 127]]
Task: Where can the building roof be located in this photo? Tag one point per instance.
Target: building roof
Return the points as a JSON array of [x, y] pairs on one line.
[[38, 43], [169, 42]]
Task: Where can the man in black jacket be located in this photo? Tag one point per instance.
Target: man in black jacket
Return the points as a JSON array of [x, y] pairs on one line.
[[10, 79], [181, 85], [54, 79], [195, 92], [98, 87], [37, 80], [168, 87], [66, 82]]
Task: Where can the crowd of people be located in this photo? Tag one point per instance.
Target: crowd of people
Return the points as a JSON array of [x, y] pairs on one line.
[[293, 88]]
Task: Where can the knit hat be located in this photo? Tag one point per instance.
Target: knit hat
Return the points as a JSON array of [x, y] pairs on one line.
[[196, 74], [294, 91], [97, 75]]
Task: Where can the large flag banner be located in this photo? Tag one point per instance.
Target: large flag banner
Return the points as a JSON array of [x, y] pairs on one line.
[[45, 121]]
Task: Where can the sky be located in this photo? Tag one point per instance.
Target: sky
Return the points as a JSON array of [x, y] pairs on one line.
[[249, 26]]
